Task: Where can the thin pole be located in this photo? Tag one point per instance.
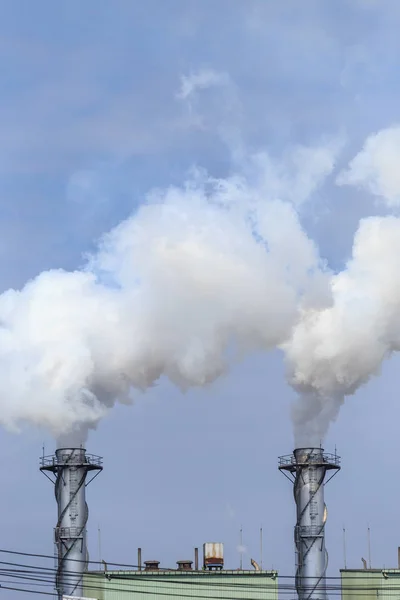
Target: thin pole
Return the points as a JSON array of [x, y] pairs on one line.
[[99, 542], [344, 548], [261, 547], [369, 547], [241, 547]]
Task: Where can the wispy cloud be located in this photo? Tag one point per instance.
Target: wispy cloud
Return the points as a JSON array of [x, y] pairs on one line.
[[376, 167], [300, 172], [230, 511], [200, 80]]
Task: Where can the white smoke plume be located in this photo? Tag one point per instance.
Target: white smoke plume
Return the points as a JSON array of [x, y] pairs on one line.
[[195, 271], [196, 278], [333, 351]]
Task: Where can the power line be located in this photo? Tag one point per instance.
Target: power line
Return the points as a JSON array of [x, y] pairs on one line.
[[52, 557], [40, 576], [15, 589]]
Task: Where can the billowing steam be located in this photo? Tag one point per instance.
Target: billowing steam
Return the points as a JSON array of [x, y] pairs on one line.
[[335, 350], [196, 271], [197, 277]]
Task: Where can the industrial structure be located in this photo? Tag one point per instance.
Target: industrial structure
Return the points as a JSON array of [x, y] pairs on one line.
[[370, 584], [306, 468], [173, 585], [70, 467], [209, 582]]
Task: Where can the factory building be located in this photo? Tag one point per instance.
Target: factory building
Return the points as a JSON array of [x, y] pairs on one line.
[[371, 583], [211, 582], [172, 585]]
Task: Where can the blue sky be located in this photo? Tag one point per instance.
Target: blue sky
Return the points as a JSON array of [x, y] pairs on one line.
[[92, 116]]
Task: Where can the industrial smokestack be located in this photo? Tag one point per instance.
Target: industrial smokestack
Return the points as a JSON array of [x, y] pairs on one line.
[[70, 467], [307, 468]]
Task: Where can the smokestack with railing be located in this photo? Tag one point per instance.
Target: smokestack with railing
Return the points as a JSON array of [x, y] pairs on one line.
[[307, 468], [70, 467]]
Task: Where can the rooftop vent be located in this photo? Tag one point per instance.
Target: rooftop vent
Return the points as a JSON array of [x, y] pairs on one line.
[[151, 565], [184, 565]]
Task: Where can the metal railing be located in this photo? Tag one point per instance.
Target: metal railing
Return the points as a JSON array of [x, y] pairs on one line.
[[89, 459], [312, 459], [68, 533], [304, 531]]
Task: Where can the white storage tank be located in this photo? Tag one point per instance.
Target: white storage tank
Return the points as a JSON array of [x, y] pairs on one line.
[[213, 555]]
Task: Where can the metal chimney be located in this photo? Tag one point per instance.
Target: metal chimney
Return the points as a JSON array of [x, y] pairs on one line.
[[70, 467], [307, 468]]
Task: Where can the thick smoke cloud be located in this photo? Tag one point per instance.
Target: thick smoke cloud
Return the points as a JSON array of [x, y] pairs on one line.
[[197, 274], [333, 351], [197, 277]]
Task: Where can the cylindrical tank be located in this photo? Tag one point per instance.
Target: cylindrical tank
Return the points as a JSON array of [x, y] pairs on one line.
[[213, 555]]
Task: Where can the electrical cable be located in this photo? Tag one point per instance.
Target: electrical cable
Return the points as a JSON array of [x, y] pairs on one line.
[[43, 576], [133, 567]]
